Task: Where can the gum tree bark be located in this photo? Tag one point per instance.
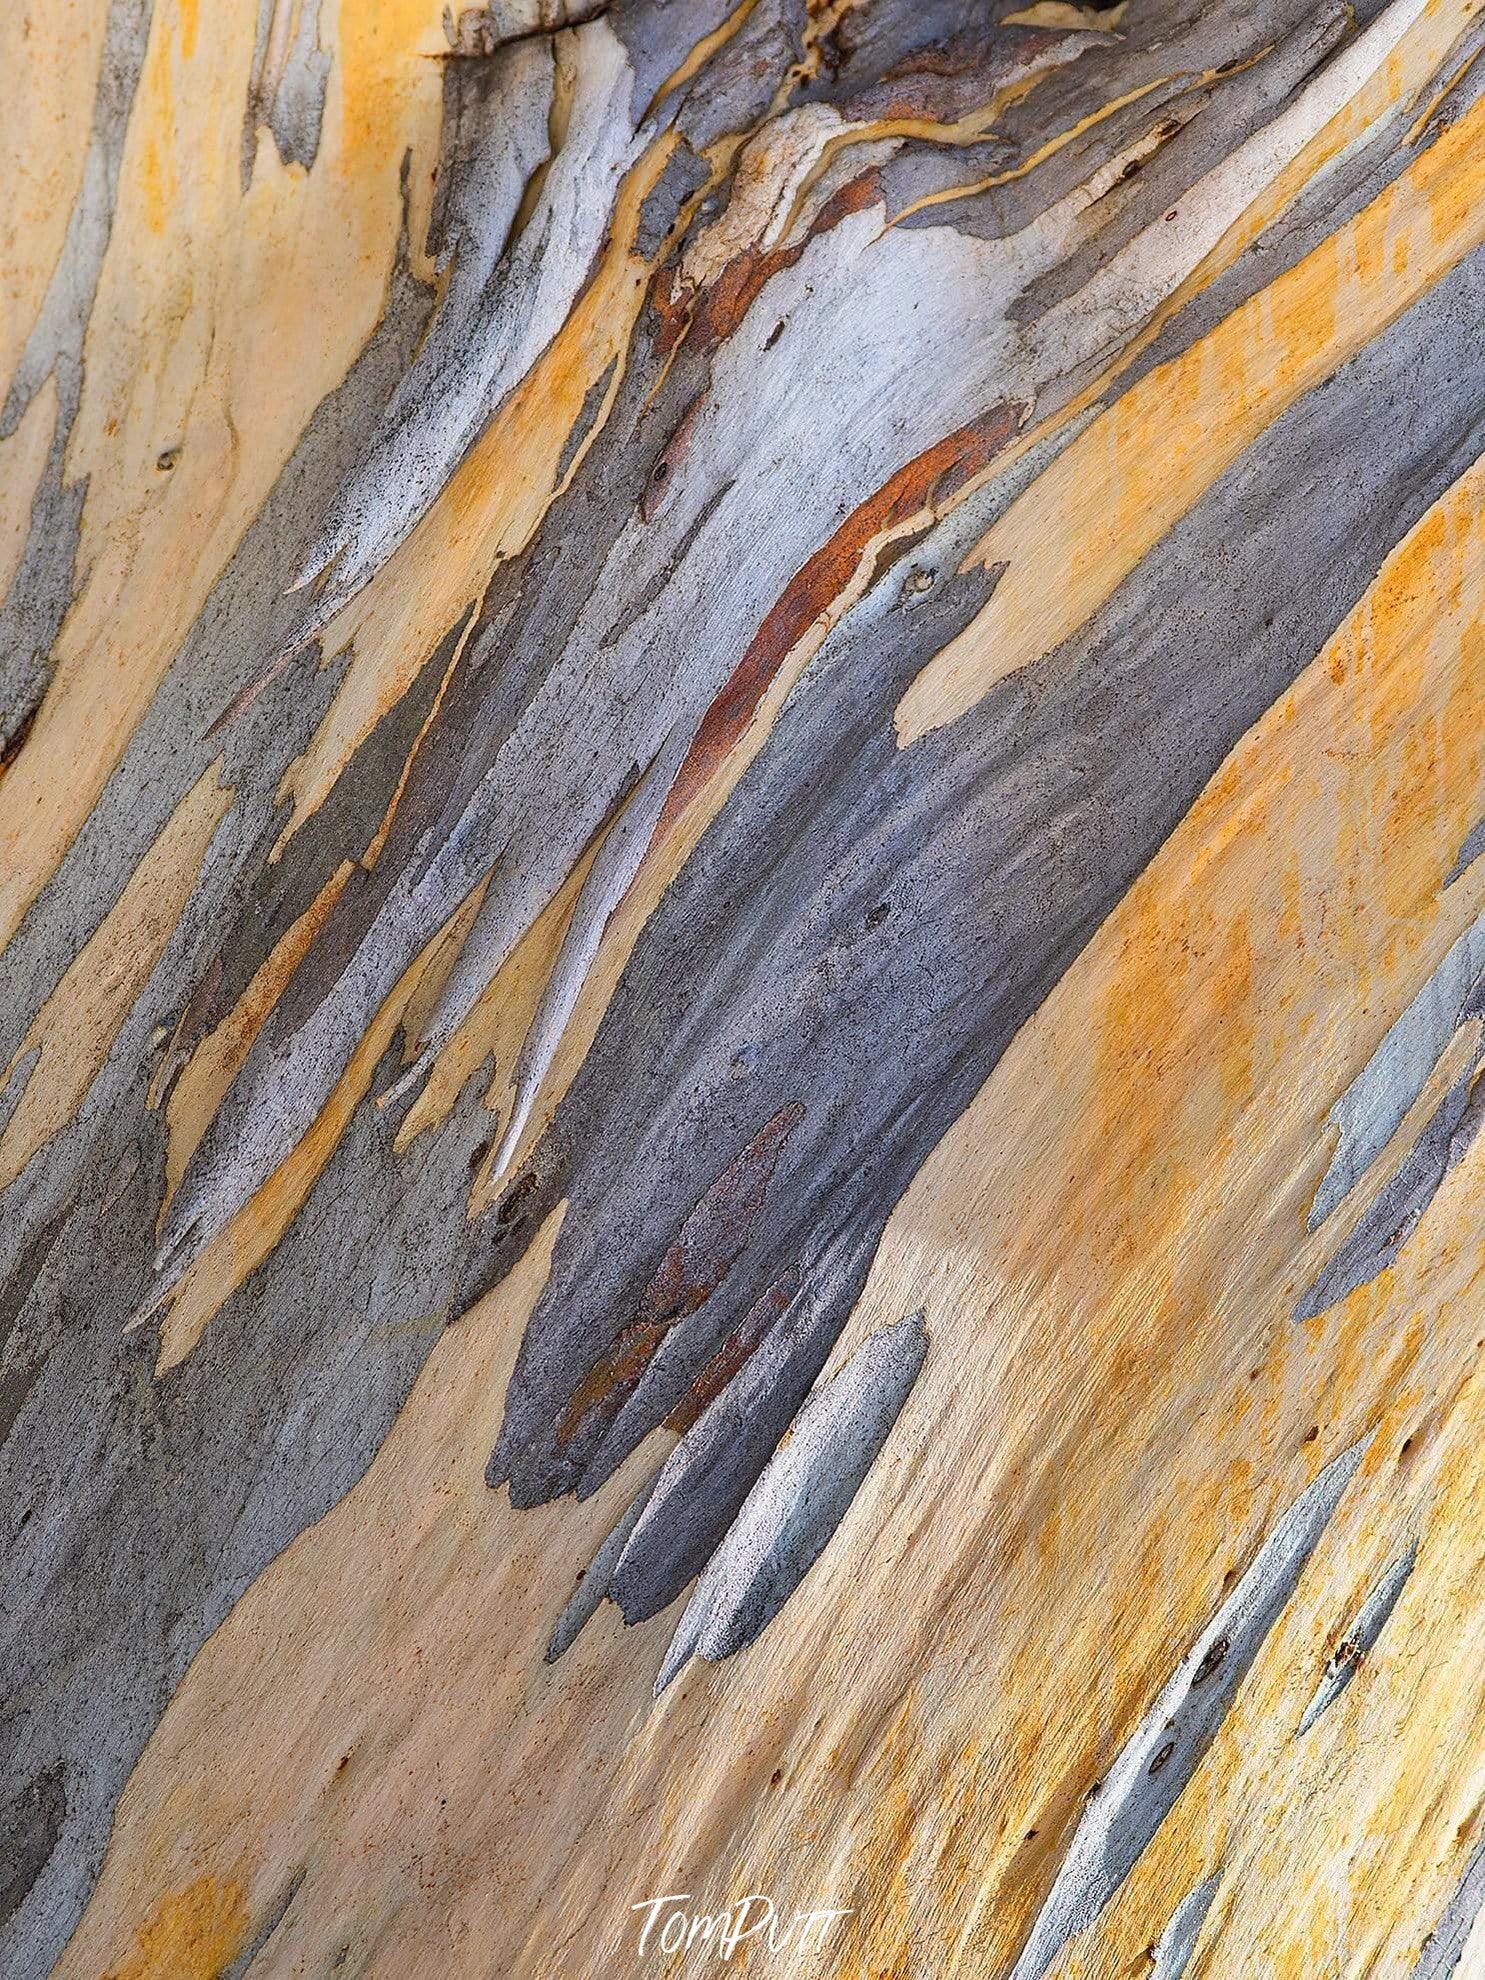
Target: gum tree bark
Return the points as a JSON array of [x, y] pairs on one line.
[[744, 986]]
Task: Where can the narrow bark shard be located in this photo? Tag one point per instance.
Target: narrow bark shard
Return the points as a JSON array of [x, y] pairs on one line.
[[1178, 1940], [597, 1578], [1158, 1761], [800, 1499], [1374, 1106], [1360, 1636], [1443, 1949]]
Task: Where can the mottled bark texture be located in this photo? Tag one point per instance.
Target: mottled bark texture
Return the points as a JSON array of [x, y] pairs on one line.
[[743, 957]]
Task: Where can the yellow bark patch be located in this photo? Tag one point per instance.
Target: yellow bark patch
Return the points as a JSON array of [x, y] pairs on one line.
[[191, 1935], [80, 1020], [221, 322]]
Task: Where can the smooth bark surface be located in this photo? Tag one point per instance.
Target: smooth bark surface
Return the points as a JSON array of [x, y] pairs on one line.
[[742, 986]]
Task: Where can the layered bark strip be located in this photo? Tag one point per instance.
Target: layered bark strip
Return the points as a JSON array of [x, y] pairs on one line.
[[742, 926]]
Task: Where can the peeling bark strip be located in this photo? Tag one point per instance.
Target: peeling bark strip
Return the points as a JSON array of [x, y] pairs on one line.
[[799, 1499], [1443, 1949], [1178, 1940], [287, 92], [1360, 1636], [676, 679]]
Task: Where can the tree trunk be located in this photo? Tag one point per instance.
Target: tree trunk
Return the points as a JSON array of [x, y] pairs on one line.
[[744, 988]]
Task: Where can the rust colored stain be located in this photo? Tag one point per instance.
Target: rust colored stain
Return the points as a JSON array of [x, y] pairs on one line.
[[616, 1374], [724, 305], [671, 302], [718, 1230], [935, 477], [750, 1333], [710, 1242]]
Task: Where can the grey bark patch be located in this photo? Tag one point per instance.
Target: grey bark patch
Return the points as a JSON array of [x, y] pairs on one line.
[[1163, 1753], [800, 1498], [680, 1370], [659, 217], [658, 39], [1469, 852], [1380, 1234], [587, 418], [23, 1348], [29, 1828], [287, 98], [1444, 1947], [13, 1085], [736, 87], [41, 591], [1360, 1636], [713, 1236], [1374, 1106], [709, 1475]]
